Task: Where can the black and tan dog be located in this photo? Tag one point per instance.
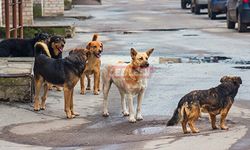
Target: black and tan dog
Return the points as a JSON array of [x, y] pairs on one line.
[[56, 45], [21, 47], [93, 65], [217, 100], [62, 72]]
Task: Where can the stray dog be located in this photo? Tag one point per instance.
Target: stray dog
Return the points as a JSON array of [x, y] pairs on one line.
[[21, 47], [217, 100], [56, 45], [93, 65], [62, 72], [130, 79]]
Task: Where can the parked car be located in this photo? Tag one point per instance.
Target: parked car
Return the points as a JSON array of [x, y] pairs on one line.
[[238, 11], [216, 7], [185, 3], [197, 5]]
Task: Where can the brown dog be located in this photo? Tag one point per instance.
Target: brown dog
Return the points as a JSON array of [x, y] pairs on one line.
[[131, 81], [62, 72], [217, 100], [93, 65]]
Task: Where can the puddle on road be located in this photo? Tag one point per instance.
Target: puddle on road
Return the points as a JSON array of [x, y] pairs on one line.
[[149, 130]]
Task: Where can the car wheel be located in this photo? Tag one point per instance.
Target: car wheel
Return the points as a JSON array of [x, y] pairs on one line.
[[212, 15], [197, 9], [241, 27], [230, 24], [183, 4]]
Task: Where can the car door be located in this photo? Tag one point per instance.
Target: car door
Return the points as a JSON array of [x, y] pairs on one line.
[[232, 9]]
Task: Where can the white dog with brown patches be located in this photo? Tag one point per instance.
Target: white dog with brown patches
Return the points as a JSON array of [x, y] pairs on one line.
[[131, 81]]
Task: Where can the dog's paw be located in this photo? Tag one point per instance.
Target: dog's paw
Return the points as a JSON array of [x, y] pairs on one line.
[[96, 93], [75, 113], [82, 92], [132, 120], [196, 131], [125, 113], [186, 132], [224, 128], [36, 106], [139, 117], [215, 128], [59, 89], [105, 114]]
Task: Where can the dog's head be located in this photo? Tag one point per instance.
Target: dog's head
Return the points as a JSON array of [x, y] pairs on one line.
[[42, 37], [95, 47], [233, 79], [57, 43], [140, 59]]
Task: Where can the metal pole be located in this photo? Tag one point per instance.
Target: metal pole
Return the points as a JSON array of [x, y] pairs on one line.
[[14, 17], [7, 19], [20, 13]]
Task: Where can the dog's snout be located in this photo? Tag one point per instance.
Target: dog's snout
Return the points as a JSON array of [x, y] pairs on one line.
[[146, 64], [62, 44]]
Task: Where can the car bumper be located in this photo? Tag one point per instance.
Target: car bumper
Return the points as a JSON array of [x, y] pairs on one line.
[[219, 7]]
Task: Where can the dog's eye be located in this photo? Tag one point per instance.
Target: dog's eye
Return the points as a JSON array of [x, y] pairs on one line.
[[146, 58], [94, 46], [141, 58]]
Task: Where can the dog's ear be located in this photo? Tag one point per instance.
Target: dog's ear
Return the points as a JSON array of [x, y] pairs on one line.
[[133, 53], [102, 46], [150, 51], [95, 36], [238, 80], [223, 79], [88, 45]]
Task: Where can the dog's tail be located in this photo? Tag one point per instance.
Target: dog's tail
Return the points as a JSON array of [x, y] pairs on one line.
[[179, 114], [41, 48], [95, 36]]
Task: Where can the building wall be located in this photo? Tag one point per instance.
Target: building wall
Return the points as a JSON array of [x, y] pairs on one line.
[[53, 7], [27, 12], [1, 13]]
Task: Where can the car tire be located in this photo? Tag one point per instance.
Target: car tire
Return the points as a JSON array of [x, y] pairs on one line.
[[212, 15], [192, 9], [183, 4], [241, 26], [208, 9], [197, 9], [230, 24]]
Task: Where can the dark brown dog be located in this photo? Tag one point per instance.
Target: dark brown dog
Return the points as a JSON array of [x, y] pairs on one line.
[[62, 72], [217, 100], [93, 65]]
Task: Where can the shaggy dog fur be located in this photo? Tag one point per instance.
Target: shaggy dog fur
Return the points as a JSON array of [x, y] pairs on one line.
[[217, 100]]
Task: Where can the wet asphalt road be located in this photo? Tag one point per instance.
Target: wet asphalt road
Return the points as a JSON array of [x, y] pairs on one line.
[[142, 24]]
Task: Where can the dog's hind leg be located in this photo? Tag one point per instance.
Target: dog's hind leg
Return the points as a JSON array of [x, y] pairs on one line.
[[44, 97], [139, 102], [38, 85], [224, 113], [106, 88], [82, 78], [213, 121], [184, 125]]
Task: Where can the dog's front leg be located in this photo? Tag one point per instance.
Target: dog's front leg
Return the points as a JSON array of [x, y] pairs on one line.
[[67, 101], [72, 104], [96, 82], [224, 113], [82, 78], [139, 102], [123, 103], [131, 109]]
